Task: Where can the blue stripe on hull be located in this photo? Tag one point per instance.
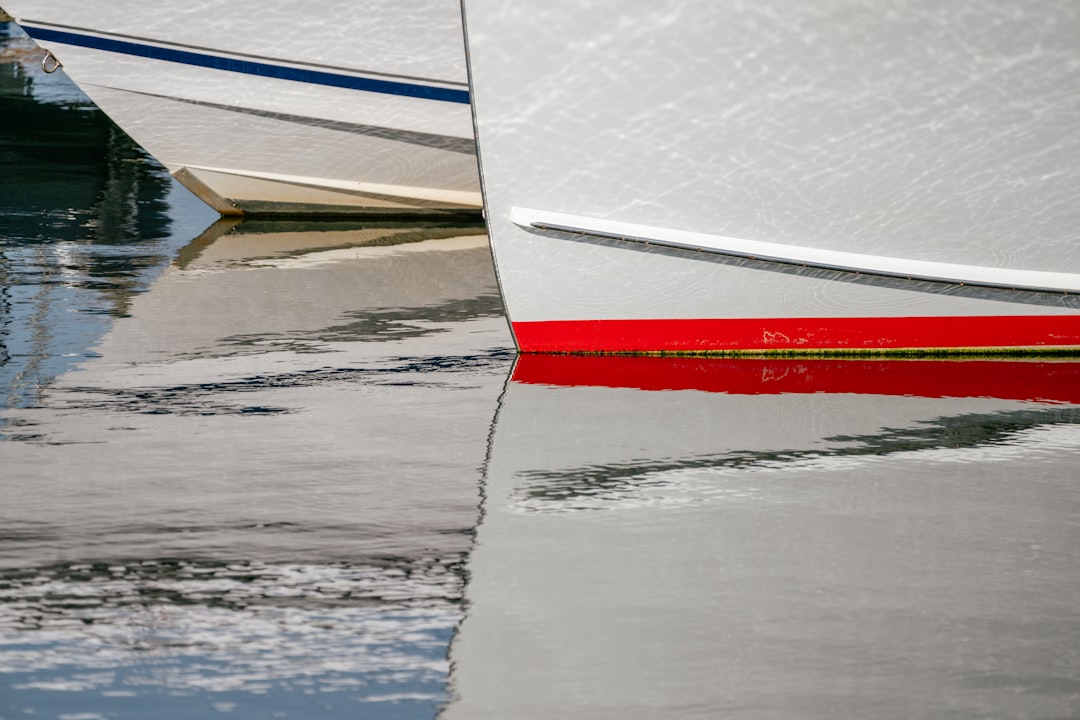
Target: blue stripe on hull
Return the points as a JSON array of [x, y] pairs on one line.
[[249, 67]]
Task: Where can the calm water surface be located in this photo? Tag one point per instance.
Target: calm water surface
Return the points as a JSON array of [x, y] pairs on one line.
[[280, 469]]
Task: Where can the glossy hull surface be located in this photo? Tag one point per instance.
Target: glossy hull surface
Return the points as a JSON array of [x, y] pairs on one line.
[[835, 177], [276, 108]]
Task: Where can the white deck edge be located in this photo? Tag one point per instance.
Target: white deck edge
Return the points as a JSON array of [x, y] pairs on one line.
[[1015, 279]]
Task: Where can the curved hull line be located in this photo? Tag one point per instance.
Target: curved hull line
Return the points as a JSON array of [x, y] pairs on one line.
[[450, 143], [236, 64], [163, 43], [858, 263]]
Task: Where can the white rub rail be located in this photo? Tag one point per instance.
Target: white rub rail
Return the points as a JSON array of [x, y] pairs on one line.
[[1029, 280]]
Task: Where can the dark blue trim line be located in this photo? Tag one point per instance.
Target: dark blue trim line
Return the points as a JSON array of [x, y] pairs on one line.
[[250, 67]]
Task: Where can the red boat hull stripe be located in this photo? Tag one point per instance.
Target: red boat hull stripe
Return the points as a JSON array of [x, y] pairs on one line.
[[799, 334]]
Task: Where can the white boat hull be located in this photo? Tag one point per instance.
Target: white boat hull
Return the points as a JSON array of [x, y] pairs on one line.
[[702, 178], [267, 108]]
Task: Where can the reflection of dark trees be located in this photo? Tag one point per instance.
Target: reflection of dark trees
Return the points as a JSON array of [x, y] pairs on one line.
[[81, 207], [129, 211], [67, 173]]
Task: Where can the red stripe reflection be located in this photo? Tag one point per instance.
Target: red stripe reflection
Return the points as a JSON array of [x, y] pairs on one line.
[[1046, 381]]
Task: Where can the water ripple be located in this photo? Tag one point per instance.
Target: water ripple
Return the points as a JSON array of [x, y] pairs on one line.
[[376, 631]]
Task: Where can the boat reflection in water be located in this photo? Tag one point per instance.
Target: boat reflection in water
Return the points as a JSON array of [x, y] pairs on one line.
[[259, 496], [776, 538]]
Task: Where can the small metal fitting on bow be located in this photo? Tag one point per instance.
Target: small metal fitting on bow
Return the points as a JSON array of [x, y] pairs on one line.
[[49, 63]]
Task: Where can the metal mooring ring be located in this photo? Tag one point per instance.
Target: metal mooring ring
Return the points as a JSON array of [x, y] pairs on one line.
[[52, 67]]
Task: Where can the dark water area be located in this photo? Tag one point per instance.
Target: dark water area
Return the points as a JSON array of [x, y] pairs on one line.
[[86, 220], [294, 469]]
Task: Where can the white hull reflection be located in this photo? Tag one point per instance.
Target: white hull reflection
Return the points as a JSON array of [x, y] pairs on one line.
[[828, 177], [275, 107], [262, 491], [747, 539]]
